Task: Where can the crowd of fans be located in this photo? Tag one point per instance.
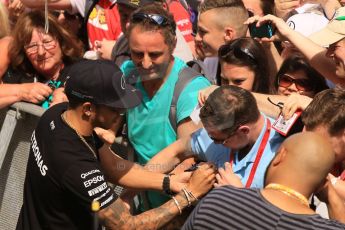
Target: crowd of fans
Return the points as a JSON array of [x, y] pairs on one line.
[[234, 109]]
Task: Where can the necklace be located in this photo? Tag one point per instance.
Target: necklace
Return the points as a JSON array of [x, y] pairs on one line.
[[290, 192], [79, 135]]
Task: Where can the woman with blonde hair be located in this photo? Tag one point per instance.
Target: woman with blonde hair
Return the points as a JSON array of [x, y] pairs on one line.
[[4, 22]]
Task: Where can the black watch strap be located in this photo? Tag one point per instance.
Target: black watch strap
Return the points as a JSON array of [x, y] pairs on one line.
[[166, 185]]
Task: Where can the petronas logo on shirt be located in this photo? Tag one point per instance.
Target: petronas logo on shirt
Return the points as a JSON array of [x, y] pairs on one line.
[[135, 2]]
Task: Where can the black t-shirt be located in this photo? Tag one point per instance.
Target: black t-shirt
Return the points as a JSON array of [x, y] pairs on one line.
[[63, 177]]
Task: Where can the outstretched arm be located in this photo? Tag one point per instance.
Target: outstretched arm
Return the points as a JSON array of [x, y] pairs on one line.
[[313, 52], [166, 160], [117, 216], [52, 4]]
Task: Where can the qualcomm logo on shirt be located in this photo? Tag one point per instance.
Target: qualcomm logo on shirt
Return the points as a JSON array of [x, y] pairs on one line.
[[38, 156]]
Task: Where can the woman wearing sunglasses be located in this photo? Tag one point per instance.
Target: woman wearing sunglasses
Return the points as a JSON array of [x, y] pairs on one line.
[[36, 60], [297, 76]]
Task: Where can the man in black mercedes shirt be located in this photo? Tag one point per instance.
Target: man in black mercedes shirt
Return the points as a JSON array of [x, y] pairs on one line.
[[66, 161]]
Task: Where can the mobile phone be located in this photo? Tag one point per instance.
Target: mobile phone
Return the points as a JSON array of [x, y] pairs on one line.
[[263, 31]]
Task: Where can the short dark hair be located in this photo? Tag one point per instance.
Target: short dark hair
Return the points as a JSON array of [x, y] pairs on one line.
[[326, 109], [229, 107], [297, 62], [253, 58], [168, 31]]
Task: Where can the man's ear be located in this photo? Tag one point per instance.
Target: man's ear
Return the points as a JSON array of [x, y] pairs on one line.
[[87, 108], [244, 129], [280, 156], [229, 34]]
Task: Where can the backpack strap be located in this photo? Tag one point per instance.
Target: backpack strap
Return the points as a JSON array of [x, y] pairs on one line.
[[199, 66], [185, 76]]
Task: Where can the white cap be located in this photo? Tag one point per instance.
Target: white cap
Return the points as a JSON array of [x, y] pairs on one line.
[[307, 23]]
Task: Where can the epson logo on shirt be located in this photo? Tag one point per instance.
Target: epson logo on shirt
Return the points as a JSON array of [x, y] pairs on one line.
[[94, 180]]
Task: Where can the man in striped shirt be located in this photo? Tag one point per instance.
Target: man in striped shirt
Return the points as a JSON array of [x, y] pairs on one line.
[[283, 203]]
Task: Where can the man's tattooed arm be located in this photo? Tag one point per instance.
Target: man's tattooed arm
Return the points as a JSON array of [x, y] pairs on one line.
[[117, 215]]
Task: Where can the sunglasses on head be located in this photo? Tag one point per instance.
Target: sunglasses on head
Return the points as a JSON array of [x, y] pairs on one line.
[[155, 19], [240, 53], [301, 84]]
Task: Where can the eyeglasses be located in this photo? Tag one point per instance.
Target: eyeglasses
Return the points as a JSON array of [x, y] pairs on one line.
[[240, 53], [153, 18], [301, 84], [223, 141], [46, 44]]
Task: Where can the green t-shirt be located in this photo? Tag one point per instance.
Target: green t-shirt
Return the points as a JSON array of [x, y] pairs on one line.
[[149, 128]]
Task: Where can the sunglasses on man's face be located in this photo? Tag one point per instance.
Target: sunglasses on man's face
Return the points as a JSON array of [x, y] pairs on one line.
[[223, 141], [286, 81], [240, 53]]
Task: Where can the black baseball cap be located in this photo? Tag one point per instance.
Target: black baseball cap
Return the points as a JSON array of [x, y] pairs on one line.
[[100, 82], [135, 3]]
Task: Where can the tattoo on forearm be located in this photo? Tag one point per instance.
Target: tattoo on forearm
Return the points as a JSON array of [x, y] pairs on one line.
[[117, 216]]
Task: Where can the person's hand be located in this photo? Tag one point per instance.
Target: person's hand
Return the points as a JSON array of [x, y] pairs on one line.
[[34, 92], [293, 103], [204, 93], [15, 8], [58, 97], [202, 179], [107, 136], [227, 177], [283, 7], [281, 28], [325, 190], [104, 48], [179, 181]]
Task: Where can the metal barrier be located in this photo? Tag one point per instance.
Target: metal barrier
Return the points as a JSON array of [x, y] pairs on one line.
[[18, 122]]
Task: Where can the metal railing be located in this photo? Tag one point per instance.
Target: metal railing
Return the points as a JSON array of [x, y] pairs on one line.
[[18, 122]]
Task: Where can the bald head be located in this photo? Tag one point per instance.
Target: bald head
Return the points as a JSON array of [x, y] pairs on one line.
[[304, 158]]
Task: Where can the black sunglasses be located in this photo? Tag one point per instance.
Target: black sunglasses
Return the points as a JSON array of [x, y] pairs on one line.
[[224, 140], [241, 53]]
